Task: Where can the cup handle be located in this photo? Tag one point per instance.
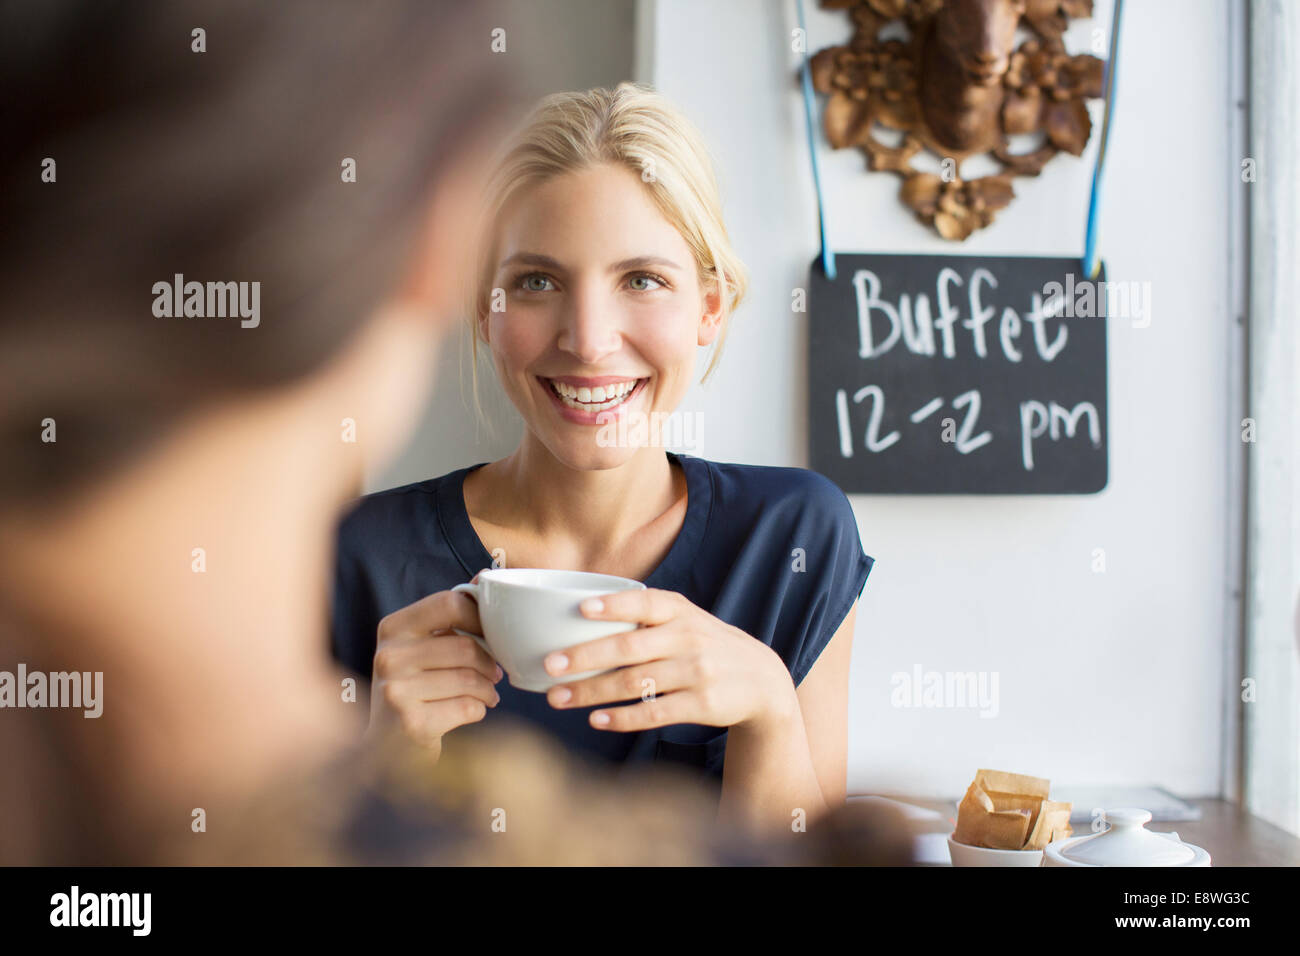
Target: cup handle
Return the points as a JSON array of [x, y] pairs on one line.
[[472, 590]]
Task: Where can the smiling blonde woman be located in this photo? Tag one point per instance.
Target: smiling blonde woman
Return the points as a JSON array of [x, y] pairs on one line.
[[604, 266]]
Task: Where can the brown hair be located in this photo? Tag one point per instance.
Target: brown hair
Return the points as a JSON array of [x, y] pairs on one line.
[[223, 166]]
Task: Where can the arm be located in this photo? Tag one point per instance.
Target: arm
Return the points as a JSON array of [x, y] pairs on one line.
[[824, 701], [795, 758], [687, 666]]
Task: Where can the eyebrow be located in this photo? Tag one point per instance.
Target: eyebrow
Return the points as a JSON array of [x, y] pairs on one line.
[[636, 262]]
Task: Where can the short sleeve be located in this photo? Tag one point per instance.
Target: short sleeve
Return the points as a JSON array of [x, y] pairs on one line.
[[837, 569]]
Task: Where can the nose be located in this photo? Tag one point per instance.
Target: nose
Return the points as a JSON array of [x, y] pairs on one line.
[[588, 333]]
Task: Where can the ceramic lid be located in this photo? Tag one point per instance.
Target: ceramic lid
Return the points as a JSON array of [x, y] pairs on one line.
[[1129, 843]]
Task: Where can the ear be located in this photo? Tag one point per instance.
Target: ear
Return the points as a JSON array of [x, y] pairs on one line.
[[712, 319]]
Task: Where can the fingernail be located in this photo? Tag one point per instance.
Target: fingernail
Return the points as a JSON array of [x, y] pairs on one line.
[[562, 695], [600, 719], [497, 701], [500, 673], [592, 606], [557, 663]]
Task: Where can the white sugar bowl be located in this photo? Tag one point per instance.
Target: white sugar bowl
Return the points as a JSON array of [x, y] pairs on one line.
[[1127, 842]]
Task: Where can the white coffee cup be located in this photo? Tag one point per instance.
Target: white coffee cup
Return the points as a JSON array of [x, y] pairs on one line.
[[527, 613]]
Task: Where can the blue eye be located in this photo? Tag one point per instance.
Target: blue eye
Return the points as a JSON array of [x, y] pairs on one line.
[[658, 283], [527, 282]]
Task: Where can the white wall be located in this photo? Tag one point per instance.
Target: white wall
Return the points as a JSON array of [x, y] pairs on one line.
[[1103, 678]]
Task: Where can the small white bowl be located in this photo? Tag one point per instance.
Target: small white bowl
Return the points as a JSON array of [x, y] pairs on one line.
[[963, 855]]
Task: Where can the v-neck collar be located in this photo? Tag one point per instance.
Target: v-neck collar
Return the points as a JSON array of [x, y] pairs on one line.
[[669, 574]]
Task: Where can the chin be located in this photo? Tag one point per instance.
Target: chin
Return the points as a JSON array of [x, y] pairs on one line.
[[590, 456]]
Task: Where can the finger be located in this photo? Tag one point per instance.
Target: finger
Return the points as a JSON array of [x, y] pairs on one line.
[[650, 606], [429, 686], [430, 721], [617, 650], [679, 707], [405, 657], [433, 613], [643, 682]]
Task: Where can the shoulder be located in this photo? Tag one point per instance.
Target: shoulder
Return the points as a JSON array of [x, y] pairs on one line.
[[779, 492], [394, 513]]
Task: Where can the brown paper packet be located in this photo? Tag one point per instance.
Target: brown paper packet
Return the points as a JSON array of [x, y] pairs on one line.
[[999, 781], [1052, 818], [1009, 811], [1015, 791], [980, 823]]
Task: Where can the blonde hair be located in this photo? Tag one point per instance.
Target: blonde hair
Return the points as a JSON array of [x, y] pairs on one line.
[[636, 127]]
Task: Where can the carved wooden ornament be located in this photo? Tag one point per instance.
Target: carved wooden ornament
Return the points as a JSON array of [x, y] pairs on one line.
[[958, 86]]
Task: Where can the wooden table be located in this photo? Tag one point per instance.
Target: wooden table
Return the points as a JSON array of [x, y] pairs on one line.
[[1228, 833]]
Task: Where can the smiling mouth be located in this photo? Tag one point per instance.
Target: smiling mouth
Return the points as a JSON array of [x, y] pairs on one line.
[[598, 399]]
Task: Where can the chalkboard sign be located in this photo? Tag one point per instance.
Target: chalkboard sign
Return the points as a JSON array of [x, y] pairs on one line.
[[958, 375]]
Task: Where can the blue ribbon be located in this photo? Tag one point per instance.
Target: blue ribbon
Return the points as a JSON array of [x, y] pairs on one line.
[[809, 110], [1091, 264]]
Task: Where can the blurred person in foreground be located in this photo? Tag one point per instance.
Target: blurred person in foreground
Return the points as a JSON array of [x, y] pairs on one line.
[[173, 473]]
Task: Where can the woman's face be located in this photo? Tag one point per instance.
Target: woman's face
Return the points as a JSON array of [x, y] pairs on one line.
[[603, 314]]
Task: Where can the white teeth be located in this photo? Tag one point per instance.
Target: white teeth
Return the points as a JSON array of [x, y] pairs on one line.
[[594, 399]]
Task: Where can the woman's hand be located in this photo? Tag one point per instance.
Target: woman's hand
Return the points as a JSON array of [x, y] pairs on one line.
[[426, 676], [683, 664]]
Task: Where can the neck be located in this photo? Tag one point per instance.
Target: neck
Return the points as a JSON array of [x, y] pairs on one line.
[[550, 498]]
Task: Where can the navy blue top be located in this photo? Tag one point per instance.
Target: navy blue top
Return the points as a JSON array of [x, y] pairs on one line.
[[772, 551]]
